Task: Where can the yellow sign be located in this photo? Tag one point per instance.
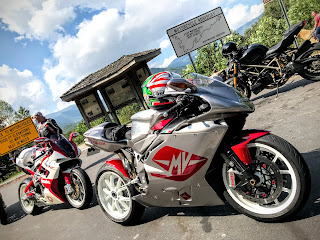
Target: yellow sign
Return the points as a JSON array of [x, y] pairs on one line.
[[17, 135]]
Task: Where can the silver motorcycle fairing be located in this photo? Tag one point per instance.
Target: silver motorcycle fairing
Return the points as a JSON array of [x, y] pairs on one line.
[[178, 177], [94, 137]]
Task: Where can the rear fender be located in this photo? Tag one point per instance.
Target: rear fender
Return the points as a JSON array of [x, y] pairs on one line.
[[241, 149], [117, 163]]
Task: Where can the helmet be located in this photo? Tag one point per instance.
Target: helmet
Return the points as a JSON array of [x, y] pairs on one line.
[[228, 48], [153, 90]]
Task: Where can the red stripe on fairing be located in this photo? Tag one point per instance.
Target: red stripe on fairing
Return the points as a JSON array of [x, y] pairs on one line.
[[53, 188], [241, 149], [27, 188], [161, 125]]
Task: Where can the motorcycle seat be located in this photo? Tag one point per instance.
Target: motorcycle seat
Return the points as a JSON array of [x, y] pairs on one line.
[[287, 40], [117, 133]]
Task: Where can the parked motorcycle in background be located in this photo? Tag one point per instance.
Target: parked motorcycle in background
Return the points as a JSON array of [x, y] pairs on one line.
[[190, 149], [254, 68], [55, 175]]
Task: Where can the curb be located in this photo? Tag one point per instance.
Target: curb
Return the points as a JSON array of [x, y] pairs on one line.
[[14, 179]]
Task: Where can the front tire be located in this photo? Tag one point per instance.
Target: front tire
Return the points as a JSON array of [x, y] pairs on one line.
[[82, 189], [28, 205], [115, 197], [283, 181], [3, 214]]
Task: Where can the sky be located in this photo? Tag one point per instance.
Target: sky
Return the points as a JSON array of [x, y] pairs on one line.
[[47, 46]]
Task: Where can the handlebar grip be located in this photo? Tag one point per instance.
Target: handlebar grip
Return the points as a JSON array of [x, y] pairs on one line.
[[173, 109]]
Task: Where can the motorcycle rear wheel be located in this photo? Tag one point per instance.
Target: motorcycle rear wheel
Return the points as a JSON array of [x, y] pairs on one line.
[[283, 181], [28, 205], [312, 66], [115, 197], [82, 195]]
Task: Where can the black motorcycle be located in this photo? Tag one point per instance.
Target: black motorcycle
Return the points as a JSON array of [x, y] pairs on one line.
[[254, 68]]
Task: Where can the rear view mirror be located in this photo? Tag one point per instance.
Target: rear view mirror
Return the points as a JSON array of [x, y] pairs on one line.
[[180, 84], [73, 135]]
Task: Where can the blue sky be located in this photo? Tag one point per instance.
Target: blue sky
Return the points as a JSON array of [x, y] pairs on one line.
[[47, 46]]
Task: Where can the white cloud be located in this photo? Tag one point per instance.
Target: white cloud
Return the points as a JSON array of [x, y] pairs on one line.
[[22, 89], [111, 34], [44, 19], [241, 14], [165, 43], [167, 61]]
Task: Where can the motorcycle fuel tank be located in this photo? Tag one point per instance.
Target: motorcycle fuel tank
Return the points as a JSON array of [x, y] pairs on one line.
[[254, 54]]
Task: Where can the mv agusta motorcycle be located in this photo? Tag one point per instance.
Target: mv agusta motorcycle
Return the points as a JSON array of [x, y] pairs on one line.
[[254, 68], [55, 175], [194, 152]]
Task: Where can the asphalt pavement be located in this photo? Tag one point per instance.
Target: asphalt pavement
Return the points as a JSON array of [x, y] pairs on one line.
[[292, 115]]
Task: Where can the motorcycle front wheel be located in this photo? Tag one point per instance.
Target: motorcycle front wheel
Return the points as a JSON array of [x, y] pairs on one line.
[[311, 61], [82, 193], [28, 205], [282, 181], [3, 214], [115, 196]]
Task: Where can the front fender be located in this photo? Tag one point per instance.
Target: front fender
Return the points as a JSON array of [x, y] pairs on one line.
[[117, 163], [241, 149]]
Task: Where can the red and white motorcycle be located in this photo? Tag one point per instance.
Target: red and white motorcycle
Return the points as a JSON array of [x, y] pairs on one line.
[[56, 176]]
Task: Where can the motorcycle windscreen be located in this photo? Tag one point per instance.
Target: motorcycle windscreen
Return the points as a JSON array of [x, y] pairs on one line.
[[66, 147]]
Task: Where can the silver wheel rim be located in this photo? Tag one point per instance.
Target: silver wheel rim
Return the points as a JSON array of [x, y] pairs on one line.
[[28, 205], [289, 189], [78, 197], [114, 195]]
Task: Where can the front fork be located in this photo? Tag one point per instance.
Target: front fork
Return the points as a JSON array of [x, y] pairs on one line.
[[238, 157], [68, 189], [235, 74]]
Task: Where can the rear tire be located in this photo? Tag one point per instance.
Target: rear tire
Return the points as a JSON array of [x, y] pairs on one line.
[[115, 197], [28, 205], [312, 68], [82, 195], [284, 181]]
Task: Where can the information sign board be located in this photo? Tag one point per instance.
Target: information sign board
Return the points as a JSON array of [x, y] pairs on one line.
[[17, 135], [198, 32]]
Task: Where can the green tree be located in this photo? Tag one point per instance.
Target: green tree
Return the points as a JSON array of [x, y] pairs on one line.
[[7, 114], [209, 58], [22, 113]]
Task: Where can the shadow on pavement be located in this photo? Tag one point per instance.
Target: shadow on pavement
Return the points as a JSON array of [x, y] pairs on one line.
[[100, 161], [312, 207], [285, 88], [154, 213]]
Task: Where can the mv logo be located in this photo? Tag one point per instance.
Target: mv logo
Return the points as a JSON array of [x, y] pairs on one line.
[[178, 165]]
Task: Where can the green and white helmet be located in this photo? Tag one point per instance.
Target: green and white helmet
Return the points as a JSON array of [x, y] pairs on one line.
[[153, 89]]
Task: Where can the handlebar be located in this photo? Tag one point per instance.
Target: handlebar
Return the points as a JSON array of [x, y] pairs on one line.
[[181, 102]]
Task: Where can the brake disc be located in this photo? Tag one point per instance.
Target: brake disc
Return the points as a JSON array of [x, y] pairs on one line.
[[269, 182]]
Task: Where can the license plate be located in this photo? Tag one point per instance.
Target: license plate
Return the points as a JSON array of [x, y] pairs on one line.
[[92, 151]]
